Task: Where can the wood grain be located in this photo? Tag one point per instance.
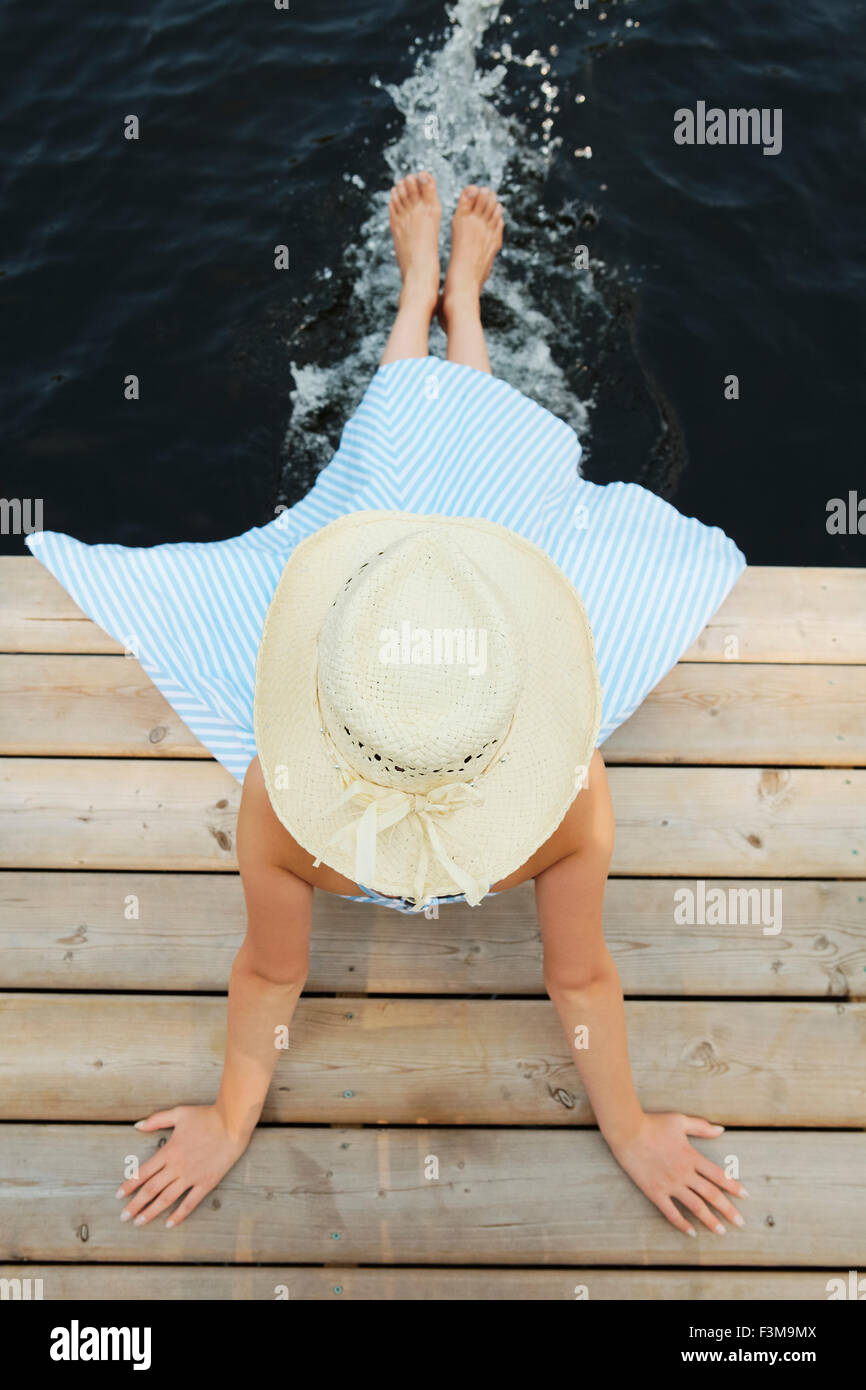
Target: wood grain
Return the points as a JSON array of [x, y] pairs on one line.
[[512, 1197], [94, 706], [404, 1061], [776, 613], [342, 1284], [780, 613], [715, 713], [71, 931], [65, 813]]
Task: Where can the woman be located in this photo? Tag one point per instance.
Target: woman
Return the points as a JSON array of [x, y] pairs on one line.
[[452, 496]]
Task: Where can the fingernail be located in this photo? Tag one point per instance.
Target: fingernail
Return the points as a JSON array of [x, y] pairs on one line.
[[125, 1215], [139, 1124], [169, 1223], [738, 1220], [692, 1232], [720, 1230], [744, 1192], [120, 1192], [720, 1129], [139, 1221]]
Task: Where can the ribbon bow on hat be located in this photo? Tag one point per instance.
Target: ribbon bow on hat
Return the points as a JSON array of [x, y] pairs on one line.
[[381, 807]]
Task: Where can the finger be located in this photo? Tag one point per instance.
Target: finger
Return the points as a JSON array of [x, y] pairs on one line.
[[146, 1194], [675, 1216], [147, 1170], [161, 1119], [711, 1170], [711, 1194], [189, 1203], [703, 1129], [166, 1197], [692, 1202]]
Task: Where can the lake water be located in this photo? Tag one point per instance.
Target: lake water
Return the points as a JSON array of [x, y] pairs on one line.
[[259, 127]]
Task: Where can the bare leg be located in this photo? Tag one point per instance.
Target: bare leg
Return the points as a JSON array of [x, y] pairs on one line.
[[414, 214], [476, 236]]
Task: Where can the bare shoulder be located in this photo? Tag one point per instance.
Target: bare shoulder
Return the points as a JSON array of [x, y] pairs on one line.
[[586, 829], [588, 825], [262, 838], [264, 842], [589, 821]]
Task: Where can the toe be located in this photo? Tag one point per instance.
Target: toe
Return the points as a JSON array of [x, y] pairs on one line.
[[485, 203], [427, 185], [467, 197], [413, 192]]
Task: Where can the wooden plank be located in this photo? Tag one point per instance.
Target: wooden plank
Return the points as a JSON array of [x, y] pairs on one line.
[[37, 614], [775, 613], [735, 713], [731, 713], [71, 931], [755, 822], [124, 813], [360, 1196], [781, 613], [96, 706], [68, 813], [348, 1284], [404, 1061]]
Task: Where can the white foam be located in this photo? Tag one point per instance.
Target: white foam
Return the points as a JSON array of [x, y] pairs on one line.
[[455, 125]]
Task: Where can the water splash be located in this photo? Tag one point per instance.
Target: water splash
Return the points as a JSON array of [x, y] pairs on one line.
[[456, 123]]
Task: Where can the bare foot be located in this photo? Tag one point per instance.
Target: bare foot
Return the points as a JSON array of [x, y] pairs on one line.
[[414, 213], [476, 236]]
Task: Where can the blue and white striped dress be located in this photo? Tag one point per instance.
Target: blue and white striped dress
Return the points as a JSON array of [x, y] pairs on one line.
[[429, 436]]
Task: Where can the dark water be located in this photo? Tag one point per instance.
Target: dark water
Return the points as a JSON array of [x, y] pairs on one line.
[[261, 127]]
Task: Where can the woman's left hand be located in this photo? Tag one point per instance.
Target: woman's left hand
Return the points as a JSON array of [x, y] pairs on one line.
[[660, 1160]]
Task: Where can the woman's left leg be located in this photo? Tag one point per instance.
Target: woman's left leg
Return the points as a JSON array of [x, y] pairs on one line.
[[415, 213], [476, 238]]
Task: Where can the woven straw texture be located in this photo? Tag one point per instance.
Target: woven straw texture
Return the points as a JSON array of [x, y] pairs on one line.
[[526, 714]]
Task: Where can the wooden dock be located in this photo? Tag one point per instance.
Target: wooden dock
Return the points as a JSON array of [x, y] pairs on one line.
[[421, 1040]]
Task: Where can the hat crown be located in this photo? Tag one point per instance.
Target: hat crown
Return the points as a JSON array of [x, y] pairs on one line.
[[419, 665]]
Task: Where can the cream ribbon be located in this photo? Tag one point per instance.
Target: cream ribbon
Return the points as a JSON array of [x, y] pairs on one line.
[[381, 807]]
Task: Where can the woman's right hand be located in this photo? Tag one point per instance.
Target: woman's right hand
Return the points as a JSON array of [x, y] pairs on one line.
[[198, 1155]]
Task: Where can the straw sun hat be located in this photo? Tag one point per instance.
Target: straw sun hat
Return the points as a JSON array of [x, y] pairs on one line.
[[427, 701]]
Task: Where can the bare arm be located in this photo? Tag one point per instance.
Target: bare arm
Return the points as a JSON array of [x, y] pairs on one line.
[[579, 972], [267, 978], [583, 983], [266, 981]]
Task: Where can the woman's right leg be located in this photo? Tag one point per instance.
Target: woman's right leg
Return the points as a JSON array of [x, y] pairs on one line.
[[414, 215], [476, 236]]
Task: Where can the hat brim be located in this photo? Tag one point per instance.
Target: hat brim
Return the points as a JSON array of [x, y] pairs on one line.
[[551, 742]]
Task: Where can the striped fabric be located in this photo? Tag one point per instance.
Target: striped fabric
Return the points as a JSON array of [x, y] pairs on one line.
[[405, 904], [428, 437]]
